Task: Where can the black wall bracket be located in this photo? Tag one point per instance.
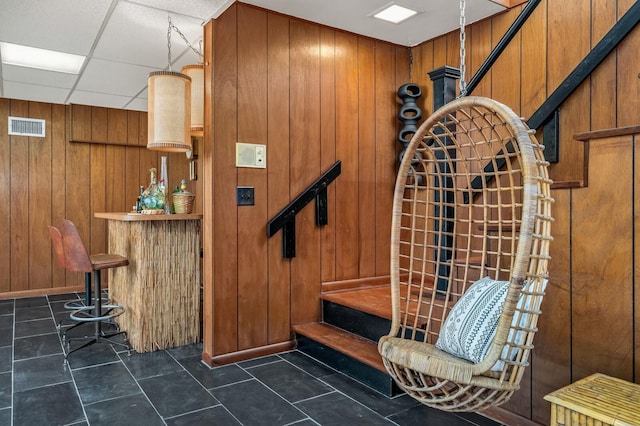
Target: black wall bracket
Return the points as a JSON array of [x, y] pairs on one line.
[[286, 219]]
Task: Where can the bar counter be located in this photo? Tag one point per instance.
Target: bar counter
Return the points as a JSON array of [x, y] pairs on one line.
[[160, 289]]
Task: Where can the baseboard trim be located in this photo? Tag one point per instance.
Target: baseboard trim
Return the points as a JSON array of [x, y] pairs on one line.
[[231, 357], [507, 417], [40, 292]]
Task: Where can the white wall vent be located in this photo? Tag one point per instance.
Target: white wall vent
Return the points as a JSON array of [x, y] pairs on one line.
[[26, 127]]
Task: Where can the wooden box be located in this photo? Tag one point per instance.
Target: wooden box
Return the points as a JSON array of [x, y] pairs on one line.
[[596, 400]]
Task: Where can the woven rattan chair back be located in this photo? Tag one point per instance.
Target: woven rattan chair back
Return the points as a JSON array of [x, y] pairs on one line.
[[472, 200]]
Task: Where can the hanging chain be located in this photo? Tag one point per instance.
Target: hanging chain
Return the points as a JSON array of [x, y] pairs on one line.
[[463, 53], [174, 28]]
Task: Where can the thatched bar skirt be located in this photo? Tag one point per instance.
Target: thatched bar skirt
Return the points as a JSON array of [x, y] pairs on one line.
[[160, 289]]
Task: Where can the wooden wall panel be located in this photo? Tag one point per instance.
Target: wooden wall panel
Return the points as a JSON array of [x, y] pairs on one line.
[[78, 181], [534, 61], [507, 90], [5, 194], [479, 48], [422, 57], [39, 213], [602, 264], [279, 273], [385, 159], [328, 147], [132, 181], [253, 292], [208, 204], [569, 30], [636, 260], [440, 51], [96, 240], [225, 222], [551, 358], [58, 182], [347, 249], [366, 149], [628, 82], [19, 225], [115, 171], [304, 150]]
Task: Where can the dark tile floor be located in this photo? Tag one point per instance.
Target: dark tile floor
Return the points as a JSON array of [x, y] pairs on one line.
[[103, 385]]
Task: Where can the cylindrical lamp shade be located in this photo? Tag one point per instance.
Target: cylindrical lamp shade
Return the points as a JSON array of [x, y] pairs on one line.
[[196, 72], [169, 112]]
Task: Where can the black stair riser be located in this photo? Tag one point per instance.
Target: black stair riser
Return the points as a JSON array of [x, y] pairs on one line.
[[351, 367], [369, 326]]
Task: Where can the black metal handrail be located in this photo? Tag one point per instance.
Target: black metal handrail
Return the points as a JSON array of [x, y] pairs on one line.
[[286, 218]]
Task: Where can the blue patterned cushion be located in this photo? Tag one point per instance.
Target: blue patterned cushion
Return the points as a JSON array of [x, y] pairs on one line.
[[471, 325]]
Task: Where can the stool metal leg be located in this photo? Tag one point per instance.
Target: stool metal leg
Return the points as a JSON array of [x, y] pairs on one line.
[[98, 317]]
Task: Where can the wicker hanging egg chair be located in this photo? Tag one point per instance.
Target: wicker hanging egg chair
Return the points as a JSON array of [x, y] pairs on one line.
[[469, 252]]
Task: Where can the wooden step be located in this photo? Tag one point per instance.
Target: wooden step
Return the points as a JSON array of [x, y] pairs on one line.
[[342, 341], [348, 353], [372, 300]]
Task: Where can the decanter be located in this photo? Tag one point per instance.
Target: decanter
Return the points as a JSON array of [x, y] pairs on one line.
[[153, 197]]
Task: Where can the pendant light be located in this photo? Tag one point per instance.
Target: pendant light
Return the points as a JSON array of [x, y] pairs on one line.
[[169, 108], [196, 72]]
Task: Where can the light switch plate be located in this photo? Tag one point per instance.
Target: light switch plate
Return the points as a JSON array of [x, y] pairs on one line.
[[251, 155], [245, 196]]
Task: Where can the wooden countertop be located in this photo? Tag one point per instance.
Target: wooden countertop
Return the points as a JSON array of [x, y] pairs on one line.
[[138, 217]]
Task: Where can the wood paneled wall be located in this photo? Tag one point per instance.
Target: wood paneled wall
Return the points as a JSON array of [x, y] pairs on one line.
[[43, 180], [590, 321], [313, 95]]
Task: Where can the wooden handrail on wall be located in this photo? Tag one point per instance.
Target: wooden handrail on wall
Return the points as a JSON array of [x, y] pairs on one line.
[[607, 133]]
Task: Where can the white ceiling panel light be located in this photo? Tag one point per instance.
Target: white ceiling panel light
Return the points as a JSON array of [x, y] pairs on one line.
[[395, 13], [33, 57]]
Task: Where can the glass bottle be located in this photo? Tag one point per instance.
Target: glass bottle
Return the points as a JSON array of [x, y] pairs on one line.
[[163, 185], [153, 197]]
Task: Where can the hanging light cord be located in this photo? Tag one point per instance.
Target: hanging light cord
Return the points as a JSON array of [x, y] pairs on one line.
[[176, 29], [463, 37]]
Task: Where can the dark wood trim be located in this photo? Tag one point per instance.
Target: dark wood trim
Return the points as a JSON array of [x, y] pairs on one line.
[[509, 3], [607, 133], [40, 292], [116, 143], [246, 354], [506, 417], [355, 283], [568, 184]]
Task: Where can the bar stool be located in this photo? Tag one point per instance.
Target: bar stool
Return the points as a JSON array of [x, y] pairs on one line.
[[77, 259], [56, 238]]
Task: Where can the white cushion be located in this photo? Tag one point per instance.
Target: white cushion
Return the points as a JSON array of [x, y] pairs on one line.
[[520, 320], [471, 325]]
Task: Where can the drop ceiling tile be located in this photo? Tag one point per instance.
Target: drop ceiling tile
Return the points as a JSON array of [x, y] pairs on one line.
[[65, 25], [202, 9], [98, 99], [116, 78], [34, 92], [37, 76], [137, 34], [138, 104]]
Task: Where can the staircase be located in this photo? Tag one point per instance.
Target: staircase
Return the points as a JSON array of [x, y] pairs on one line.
[[347, 338]]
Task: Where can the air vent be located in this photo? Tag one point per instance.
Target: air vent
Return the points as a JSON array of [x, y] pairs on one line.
[[26, 127]]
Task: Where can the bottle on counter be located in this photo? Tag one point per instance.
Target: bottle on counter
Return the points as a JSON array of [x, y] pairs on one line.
[[153, 199], [139, 200]]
